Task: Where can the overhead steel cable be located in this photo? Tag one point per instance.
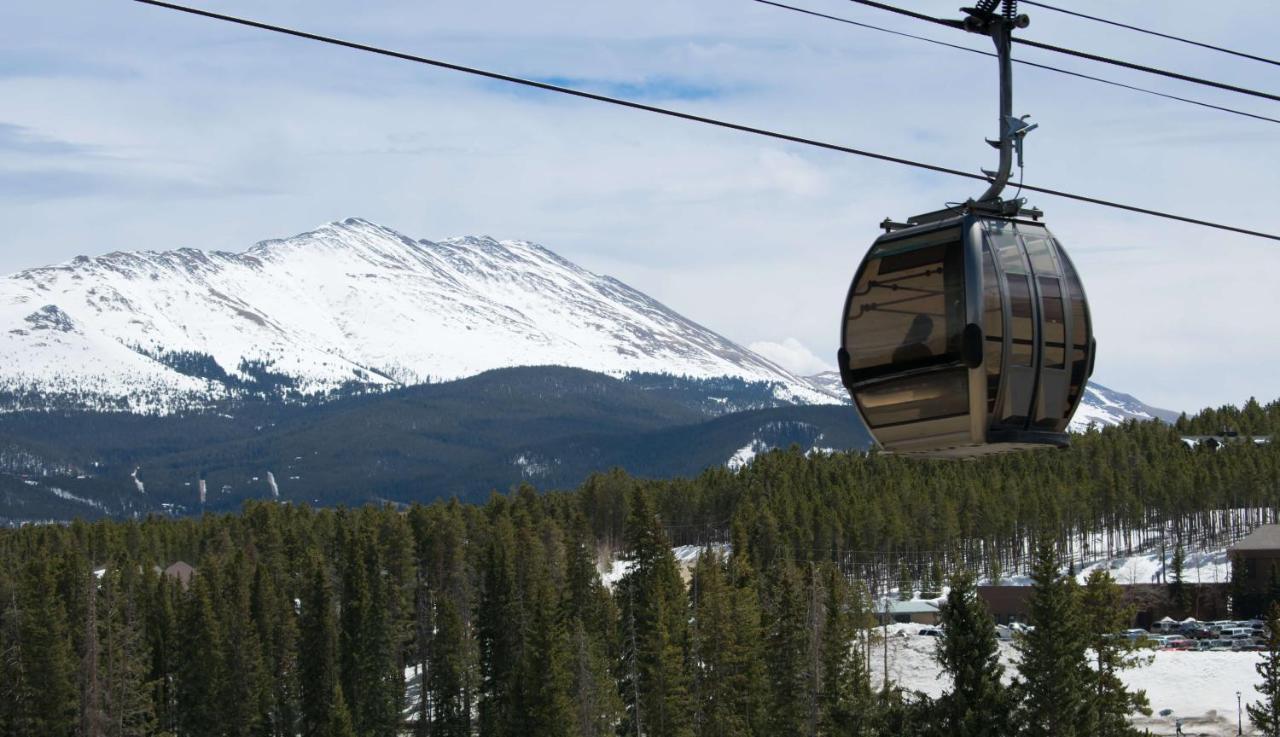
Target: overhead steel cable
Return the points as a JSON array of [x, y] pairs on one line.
[[1150, 32], [1080, 54], [1059, 70], [1144, 68], [685, 116]]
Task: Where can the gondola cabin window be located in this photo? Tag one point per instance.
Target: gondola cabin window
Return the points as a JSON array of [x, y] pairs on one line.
[[907, 313]]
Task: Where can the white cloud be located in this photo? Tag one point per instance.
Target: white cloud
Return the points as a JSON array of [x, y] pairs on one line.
[[793, 356], [162, 130]]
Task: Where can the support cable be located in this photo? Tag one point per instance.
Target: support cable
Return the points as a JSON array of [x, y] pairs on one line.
[[688, 116], [1080, 54], [1150, 32], [1024, 62]]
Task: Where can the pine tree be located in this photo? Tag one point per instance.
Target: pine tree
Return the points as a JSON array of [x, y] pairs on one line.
[[501, 635], [1053, 675], [92, 718], [277, 621], [9, 649], [45, 695], [1179, 593], [729, 680], [161, 630], [590, 619], [1265, 713], [933, 588], [654, 681], [978, 703], [318, 654], [905, 590], [1105, 617], [202, 679], [846, 701], [246, 697], [545, 669], [367, 657], [446, 674], [788, 646], [126, 694], [338, 719]]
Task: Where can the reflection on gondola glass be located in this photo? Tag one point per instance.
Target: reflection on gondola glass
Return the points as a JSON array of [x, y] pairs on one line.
[[965, 335]]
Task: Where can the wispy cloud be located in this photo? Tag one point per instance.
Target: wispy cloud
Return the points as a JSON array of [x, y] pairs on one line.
[[656, 88], [37, 185], [22, 140]]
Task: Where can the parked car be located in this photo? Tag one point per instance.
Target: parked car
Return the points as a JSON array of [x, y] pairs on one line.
[[1179, 643], [1221, 644], [1137, 634], [1249, 645], [1198, 633], [930, 632], [1219, 625]]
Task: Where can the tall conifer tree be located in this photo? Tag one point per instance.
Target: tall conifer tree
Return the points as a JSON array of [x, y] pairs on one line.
[[654, 681], [45, 702], [1105, 618], [1053, 675], [1265, 713], [318, 654], [977, 705]]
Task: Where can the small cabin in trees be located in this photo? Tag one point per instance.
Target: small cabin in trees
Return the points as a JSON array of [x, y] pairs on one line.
[[181, 572]]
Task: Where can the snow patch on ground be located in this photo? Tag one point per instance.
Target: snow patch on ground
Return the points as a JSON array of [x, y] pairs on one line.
[[1199, 687], [743, 456], [611, 572]]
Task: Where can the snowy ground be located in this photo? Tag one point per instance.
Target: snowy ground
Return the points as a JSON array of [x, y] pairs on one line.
[[1209, 566], [1198, 687]]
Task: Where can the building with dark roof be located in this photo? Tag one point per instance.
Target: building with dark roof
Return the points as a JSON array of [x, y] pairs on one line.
[[1255, 564]]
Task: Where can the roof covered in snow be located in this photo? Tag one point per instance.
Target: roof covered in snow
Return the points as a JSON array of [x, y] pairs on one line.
[[914, 606]]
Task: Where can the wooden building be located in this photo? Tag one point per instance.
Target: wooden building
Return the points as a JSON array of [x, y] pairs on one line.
[[1255, 567]]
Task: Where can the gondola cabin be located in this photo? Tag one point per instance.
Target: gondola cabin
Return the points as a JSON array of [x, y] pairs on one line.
[[965, 335]]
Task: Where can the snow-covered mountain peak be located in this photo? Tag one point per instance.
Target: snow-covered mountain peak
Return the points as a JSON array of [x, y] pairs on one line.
[[348, 302]]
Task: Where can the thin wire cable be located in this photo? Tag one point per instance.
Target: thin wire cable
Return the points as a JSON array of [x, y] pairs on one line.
[[1059, 70], [1150, 32], [1080, 54], [1147, 69], [687, 116]]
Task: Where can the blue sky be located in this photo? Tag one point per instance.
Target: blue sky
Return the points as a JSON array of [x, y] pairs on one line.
[[130, 127]]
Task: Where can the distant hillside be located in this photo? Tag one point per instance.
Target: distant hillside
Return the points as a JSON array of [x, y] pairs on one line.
[[548, 425]]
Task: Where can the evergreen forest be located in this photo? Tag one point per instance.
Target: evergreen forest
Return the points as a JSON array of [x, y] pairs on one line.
[[568, 613]]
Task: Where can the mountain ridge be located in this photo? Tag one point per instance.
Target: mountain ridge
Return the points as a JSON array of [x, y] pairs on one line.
[[351, 303]]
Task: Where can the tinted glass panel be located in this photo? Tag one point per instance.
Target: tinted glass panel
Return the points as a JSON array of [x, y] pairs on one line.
[[1008, 249], [1054, 319], [928, 396], [1079, 333], [907, 309], [1039, 249], [992, 326], [1022, 327]]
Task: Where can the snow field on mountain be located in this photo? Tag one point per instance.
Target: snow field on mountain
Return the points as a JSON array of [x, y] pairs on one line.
[[350, 301]]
